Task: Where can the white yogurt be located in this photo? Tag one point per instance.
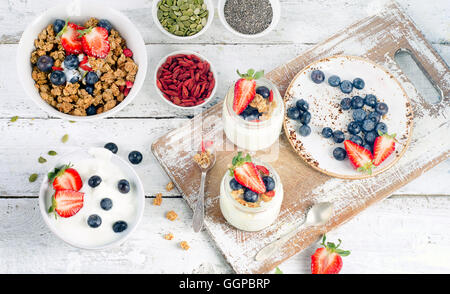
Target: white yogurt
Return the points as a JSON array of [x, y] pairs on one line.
[[125, 206], [250, 218], [253, 136]]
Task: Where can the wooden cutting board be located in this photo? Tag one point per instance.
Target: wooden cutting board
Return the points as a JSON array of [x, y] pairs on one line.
[[378, 38]]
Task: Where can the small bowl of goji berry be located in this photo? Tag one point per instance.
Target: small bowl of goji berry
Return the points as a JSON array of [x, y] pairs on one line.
[[185, 79]]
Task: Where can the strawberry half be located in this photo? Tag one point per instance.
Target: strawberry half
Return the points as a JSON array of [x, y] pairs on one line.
[[65, 178], [66, 203], [70, 38], [360, 157], [95, 42], [246, 173], [245, 90], [383, 147], [328, 260]]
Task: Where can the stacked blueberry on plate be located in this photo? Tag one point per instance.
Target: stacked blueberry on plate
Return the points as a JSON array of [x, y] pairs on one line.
[[300, 113]]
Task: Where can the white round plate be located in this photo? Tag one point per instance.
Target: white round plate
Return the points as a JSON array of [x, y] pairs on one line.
[[324, 106]]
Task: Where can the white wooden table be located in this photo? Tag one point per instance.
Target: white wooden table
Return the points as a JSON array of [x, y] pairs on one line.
[[406, 233]]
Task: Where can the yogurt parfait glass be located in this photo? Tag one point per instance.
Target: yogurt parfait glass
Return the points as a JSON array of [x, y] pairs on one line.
[[253, 135], [250, 218]]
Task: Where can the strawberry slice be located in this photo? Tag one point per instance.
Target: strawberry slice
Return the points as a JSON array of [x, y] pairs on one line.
[[95, 42], [65, 178], [263, 169], [360, 157], [66, 203], [270, 96], [382, 148], [248, 176], [70, 38], [245, 90], [328, 260]]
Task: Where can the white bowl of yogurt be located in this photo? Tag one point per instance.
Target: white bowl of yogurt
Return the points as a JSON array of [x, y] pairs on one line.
[[128, 207], [245, 217], [252, 135]]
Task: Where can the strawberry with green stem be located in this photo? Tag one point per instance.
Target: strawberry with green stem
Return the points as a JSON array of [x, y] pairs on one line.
[[246, 173], [65, 178], [245, 89], [360, 157], [66, 203], [328, 260]]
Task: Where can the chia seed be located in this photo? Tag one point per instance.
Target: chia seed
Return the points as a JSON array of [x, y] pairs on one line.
[[248, 17]]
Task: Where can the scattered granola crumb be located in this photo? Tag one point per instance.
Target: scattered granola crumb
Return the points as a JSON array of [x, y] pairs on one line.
[[171, 215], [168, 236], [158, 199], [169, 186], [184, 245]]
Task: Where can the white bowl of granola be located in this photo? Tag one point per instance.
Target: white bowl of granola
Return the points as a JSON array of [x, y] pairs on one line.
[[119, 77]]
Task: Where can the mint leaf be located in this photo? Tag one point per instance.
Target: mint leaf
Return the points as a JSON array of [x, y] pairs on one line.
[[278, 271]]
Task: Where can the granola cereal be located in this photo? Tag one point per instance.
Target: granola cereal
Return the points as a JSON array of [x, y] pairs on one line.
[[169, 186], [184, 245], [76, 78], [264, 106], [203, 158], [168, 236], [171, 215], [158, 199]]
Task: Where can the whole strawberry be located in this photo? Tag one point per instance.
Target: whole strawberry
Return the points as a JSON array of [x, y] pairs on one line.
[[328, 260], [245, 89]]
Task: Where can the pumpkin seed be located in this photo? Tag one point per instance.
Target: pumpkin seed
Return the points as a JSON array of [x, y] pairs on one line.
[[182, 17], [32, 178]]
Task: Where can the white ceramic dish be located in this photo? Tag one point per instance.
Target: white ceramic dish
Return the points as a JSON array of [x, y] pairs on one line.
[[324, 104], [276, 9], [63, 228], [209, 7], [80, 11], [187, 52]]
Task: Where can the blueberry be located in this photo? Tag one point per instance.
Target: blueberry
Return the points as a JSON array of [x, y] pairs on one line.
[[381, 127], [250, 113], [358, 83], [304, 130], [346, 86], [106, 203], [327, 132], [359, 115], [317, 76], [370, 100], [123, 186], [339, 153], [91, 110], [368, 125], [269, 182], [338, 136], [135, 157], [305, 118], [334, 81], [74, 79], [71, 62], [58, 25], [119, 226], [91, 78], [354, 128], [346, 103], [253, 116], [234, 185], [90, 89], [356, 139], [250, 196], [293, 113], [105, 24], [368, 147], [45, 63], [94, 221], [357, 102], [58, 78], [381, 108], [111, 147], [263, 91], [94, 181], [370, 137], [374, 116], [302, 105]]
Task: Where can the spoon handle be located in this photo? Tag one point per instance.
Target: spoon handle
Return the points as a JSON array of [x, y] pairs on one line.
[[277, 244], [199, 212]]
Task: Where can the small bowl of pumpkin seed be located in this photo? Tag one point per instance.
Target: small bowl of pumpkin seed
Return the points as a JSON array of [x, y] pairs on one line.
[[183, 19]]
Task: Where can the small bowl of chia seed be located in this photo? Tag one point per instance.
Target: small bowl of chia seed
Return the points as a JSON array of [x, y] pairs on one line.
[[249, 18], [183, 19]]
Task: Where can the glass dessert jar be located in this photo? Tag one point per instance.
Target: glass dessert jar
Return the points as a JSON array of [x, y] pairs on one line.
[[250, 216], [257, 134]]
